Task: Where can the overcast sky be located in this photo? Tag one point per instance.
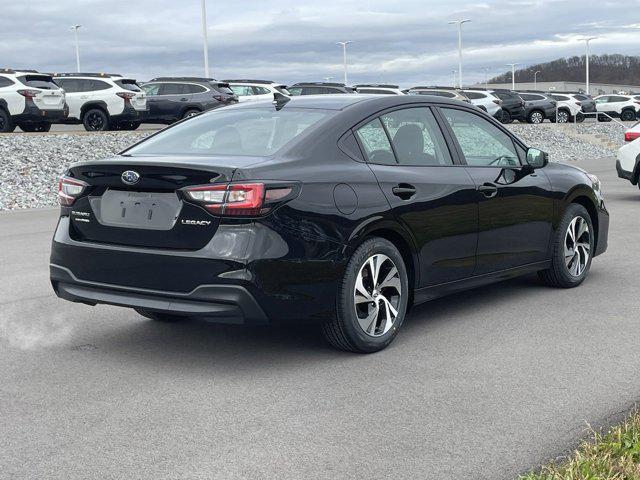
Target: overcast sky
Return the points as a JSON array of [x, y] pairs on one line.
[[403, 41]]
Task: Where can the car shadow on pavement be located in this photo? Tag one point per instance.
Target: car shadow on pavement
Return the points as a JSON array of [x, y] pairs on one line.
[[191, 343]]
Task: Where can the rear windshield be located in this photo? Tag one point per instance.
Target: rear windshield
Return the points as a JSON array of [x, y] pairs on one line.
[[38, 81], [129, 85], [246, 132]]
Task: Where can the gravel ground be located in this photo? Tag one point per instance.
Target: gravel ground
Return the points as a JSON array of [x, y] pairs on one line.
[[30, 164]]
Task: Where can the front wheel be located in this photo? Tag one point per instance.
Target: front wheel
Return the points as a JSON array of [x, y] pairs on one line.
[[372, 299], [506, 117], [628, 115], [563, 117], [6, 124], [572, 249]]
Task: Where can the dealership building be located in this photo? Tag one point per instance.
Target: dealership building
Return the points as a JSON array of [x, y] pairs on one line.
[[594, 88]]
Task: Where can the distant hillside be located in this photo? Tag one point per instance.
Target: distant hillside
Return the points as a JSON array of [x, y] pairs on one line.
[[615, 68]]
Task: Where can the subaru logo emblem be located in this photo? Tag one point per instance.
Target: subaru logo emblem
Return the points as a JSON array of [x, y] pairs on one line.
[[130, 177]]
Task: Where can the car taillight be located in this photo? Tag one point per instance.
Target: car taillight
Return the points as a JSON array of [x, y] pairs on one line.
[[631, 136], [126, 95], [240, 199], [69, 189], [29, 93]]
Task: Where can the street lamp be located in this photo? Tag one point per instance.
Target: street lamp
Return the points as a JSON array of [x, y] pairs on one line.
[[535, 79], [513, 74], [587, 40], [205, 40], [344, 57], [454, 72], [459, 24], [75, 31]]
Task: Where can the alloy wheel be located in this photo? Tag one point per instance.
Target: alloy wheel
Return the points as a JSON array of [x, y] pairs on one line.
[[377, 295], [563, 117], [536, 117], [95, 121], [577, 246]]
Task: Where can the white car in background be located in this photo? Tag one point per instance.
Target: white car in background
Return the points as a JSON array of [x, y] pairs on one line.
[[626, 107], [486, 101], [102, 101], [29, 100], [627, 161], [251, 90], [378, 89], [569, 108]]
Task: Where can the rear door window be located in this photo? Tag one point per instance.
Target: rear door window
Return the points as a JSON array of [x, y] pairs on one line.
[[416, 137], [482, 143], [242, 90], [5, 82], [70, 85], [260, 91], [151, 89], [375, 142]]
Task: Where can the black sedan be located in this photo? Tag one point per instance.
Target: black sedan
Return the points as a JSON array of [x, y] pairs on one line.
[[341, 211]]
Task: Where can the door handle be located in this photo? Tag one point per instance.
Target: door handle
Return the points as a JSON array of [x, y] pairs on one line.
[[404, 190], [489, 190]]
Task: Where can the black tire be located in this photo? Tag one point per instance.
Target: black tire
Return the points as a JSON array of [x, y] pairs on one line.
[[506, 117], [129, 125], [535, 116], [559, 275], [36, 127], [580, 117], [160, 317], [191, 112], [96, 120], [563, 116], [6, 124], [628, 115], [344, 331]]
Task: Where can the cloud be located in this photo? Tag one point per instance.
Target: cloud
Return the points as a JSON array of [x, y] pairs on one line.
[[406, 41]]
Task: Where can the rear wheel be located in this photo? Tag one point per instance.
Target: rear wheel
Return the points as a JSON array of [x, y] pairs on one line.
[[6, 124], [95, 120], [580, 117], [159, 317], [627, 115], [506, 117], [192, 112], [572, 249], [372, 299], [535, 116]]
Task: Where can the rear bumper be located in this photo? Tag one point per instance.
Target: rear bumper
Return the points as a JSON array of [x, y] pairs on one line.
[[32, 114], [221, 303], [130, 114]]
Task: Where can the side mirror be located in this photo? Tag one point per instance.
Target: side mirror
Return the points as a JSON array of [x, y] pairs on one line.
[[537, 158]]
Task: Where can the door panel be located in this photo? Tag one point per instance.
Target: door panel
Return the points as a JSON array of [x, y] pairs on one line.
[[515, 209]]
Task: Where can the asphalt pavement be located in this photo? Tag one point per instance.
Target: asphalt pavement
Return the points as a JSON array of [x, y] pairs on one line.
[[481, 385]]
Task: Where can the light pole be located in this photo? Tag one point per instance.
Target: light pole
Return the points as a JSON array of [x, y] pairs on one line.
[[75, 31], [205, 40], [587, 40], [535, 79], [486, 77], [454, 72], [344, 57], [513, 74], [459, 24]]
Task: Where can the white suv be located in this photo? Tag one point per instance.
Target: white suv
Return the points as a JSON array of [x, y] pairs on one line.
[[378, 89], [29, 100], [568, 108], [102, 101], [616, 105], [250, 90], [486, 101]]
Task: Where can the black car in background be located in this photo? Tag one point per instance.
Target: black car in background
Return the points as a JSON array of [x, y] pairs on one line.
[[319, 88], [173, 98], [538, 106], [587, 101], [337, 210], [512, 106]]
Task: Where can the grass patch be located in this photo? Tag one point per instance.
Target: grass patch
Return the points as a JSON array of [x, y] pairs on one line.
[[614, 455]]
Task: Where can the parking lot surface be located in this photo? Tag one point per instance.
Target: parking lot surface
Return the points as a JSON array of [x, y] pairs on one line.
[[480, 385]]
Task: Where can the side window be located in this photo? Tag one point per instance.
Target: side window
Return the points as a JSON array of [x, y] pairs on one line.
[[482, 143], [618, 99], [172, 89], [260, 91], [151, 89], [376, 144], [5, 82], [602, 100], [242, 90], [95, 85], [294, 91], [416, 137], [474, 95], [191, 88], [527, 97]]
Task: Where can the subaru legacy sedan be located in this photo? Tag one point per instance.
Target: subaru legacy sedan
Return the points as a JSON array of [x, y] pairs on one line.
[[333, 211]]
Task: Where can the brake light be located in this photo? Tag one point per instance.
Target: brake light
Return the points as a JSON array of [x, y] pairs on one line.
[[127, 96], [29, 93], [631, 136], [69, 189], [239, 199]]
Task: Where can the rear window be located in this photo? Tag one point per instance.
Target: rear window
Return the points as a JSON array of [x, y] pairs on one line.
[[129, 85], [244, 132], [224, 89], [38, 81]]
